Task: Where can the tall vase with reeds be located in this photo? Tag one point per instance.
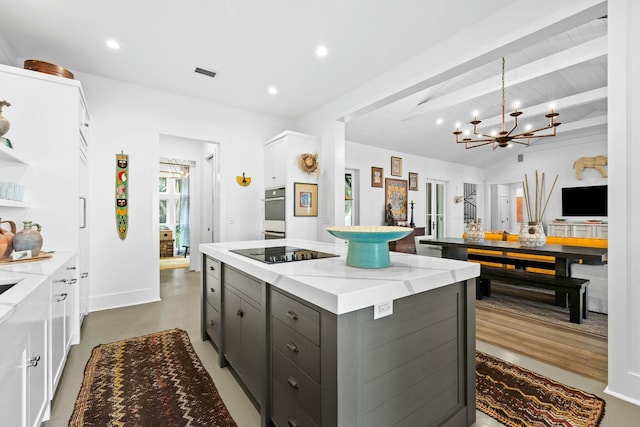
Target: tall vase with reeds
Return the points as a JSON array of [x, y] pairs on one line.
[[532, 232]]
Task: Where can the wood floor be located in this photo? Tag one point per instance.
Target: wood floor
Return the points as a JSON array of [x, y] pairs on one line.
[[581, 353]]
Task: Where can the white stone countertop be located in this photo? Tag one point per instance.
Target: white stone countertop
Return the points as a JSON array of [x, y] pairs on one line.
[[27, 276], [331, 284]]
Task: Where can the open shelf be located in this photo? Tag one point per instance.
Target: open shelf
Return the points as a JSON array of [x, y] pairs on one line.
[[13, 204], [8, 157]]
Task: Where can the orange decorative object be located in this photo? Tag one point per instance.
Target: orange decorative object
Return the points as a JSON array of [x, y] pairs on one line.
[[47, 68]]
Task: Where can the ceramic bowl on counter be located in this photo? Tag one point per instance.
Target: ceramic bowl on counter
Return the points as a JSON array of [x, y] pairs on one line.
[[369, 245]]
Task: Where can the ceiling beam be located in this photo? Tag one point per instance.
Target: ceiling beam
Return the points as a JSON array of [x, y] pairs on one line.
[[550, 64], [403, 81], [562, 103]]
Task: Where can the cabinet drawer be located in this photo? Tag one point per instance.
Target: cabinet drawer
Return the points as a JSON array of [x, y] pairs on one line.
[[304, 353], [247, 285], [212, 291], [212, 267], [292, 388], [212, 324], [286, 412], [296, 315]]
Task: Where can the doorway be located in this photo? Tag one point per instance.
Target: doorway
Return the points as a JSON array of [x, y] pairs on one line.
[[351, 185], [174, 187], [188, 204], [435, 209]]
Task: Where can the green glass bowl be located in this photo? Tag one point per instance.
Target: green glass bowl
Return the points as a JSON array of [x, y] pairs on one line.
[[369, 245]]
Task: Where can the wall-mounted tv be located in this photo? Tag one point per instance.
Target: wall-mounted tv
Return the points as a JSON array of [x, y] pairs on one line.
[[584, 201]]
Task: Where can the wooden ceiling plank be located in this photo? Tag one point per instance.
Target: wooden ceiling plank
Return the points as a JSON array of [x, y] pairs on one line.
[[558, 61]]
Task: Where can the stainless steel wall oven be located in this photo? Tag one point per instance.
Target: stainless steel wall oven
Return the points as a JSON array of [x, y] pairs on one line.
[[274, 213]]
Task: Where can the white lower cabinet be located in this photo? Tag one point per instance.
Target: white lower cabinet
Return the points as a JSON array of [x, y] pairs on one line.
[[23, 365], [63, 287]]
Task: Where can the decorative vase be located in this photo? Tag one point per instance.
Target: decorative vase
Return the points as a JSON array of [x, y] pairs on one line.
[[28, 239], [4, 123], [7, 236], [475, 231], [532, 235]]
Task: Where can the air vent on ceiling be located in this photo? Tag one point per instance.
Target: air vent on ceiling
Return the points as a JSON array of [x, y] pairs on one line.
[[520, 158], [209, 73]]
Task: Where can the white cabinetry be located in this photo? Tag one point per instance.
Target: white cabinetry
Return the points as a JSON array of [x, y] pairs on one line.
[[274, 168], [63, 284], [23, 365], [578, 229], [281, 168], [49, 127]]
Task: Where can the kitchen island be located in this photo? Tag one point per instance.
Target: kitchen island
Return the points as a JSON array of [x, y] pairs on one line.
[[316, 342]]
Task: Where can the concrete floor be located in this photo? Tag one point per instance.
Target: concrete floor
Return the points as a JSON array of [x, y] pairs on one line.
[[180, 308]]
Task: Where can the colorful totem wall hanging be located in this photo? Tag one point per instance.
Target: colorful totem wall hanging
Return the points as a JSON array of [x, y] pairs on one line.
[[122, 194]]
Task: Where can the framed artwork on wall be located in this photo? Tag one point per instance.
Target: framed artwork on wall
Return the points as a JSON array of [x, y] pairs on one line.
[[395, 193], [305, 199], [396, 166], [376, 177], [413, 181]]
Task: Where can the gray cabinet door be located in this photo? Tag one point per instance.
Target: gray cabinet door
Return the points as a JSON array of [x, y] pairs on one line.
[[251, 347], [232, 347], [243, 341]]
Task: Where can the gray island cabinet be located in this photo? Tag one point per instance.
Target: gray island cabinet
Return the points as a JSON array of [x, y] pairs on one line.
[[302, 340]]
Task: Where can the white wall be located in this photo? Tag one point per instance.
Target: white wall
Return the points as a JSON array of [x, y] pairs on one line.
[[131, 118], [624, 204], [362, 157], [552, 161]]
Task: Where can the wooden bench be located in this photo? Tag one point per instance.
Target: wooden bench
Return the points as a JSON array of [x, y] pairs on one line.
[[574, 288]]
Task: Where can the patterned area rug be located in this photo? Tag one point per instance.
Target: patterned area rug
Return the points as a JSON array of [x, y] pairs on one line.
[[518, 397], [152, 380]]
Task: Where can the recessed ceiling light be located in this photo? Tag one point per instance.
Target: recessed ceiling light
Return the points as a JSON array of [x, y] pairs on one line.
[[321, 51], [439, 121], [113, 44], [272, 90]]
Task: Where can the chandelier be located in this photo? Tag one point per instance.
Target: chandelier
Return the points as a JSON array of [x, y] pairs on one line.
[[505, 137]]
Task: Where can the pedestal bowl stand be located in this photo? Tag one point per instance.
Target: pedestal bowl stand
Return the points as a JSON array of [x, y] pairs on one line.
[[369, 245]]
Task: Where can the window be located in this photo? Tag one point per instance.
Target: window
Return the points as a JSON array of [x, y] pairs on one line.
[[170, 188]]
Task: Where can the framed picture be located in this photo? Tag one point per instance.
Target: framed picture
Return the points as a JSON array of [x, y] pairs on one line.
[[396, 166], [395, 193], [376, 177], [305, 199], [413, 181]]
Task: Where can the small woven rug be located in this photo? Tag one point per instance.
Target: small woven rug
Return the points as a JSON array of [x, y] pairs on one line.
[[152, 380], [518, 397]]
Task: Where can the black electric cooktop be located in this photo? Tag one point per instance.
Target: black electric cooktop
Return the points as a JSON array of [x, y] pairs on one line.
[[279, 254]]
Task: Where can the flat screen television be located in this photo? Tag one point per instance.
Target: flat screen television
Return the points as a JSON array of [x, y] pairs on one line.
[[584, 201]]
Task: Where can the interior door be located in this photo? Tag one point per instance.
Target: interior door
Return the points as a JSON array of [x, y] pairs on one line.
[[505, 223], [435, 218]]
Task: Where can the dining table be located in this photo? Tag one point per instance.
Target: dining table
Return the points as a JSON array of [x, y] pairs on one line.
[[564, 255]]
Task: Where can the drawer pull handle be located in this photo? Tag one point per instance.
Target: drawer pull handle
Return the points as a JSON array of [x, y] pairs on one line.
[[212, 323], [61, 297], [71, 268], [33, 362], [212, 290], [292, 315], [84, 275], [73, 281], [292, 347], [292, 423], [212, 268], [60, 281], [239, 313], [293, 383]]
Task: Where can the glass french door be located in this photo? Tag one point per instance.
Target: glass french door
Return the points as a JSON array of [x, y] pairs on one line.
[[434, 224]]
